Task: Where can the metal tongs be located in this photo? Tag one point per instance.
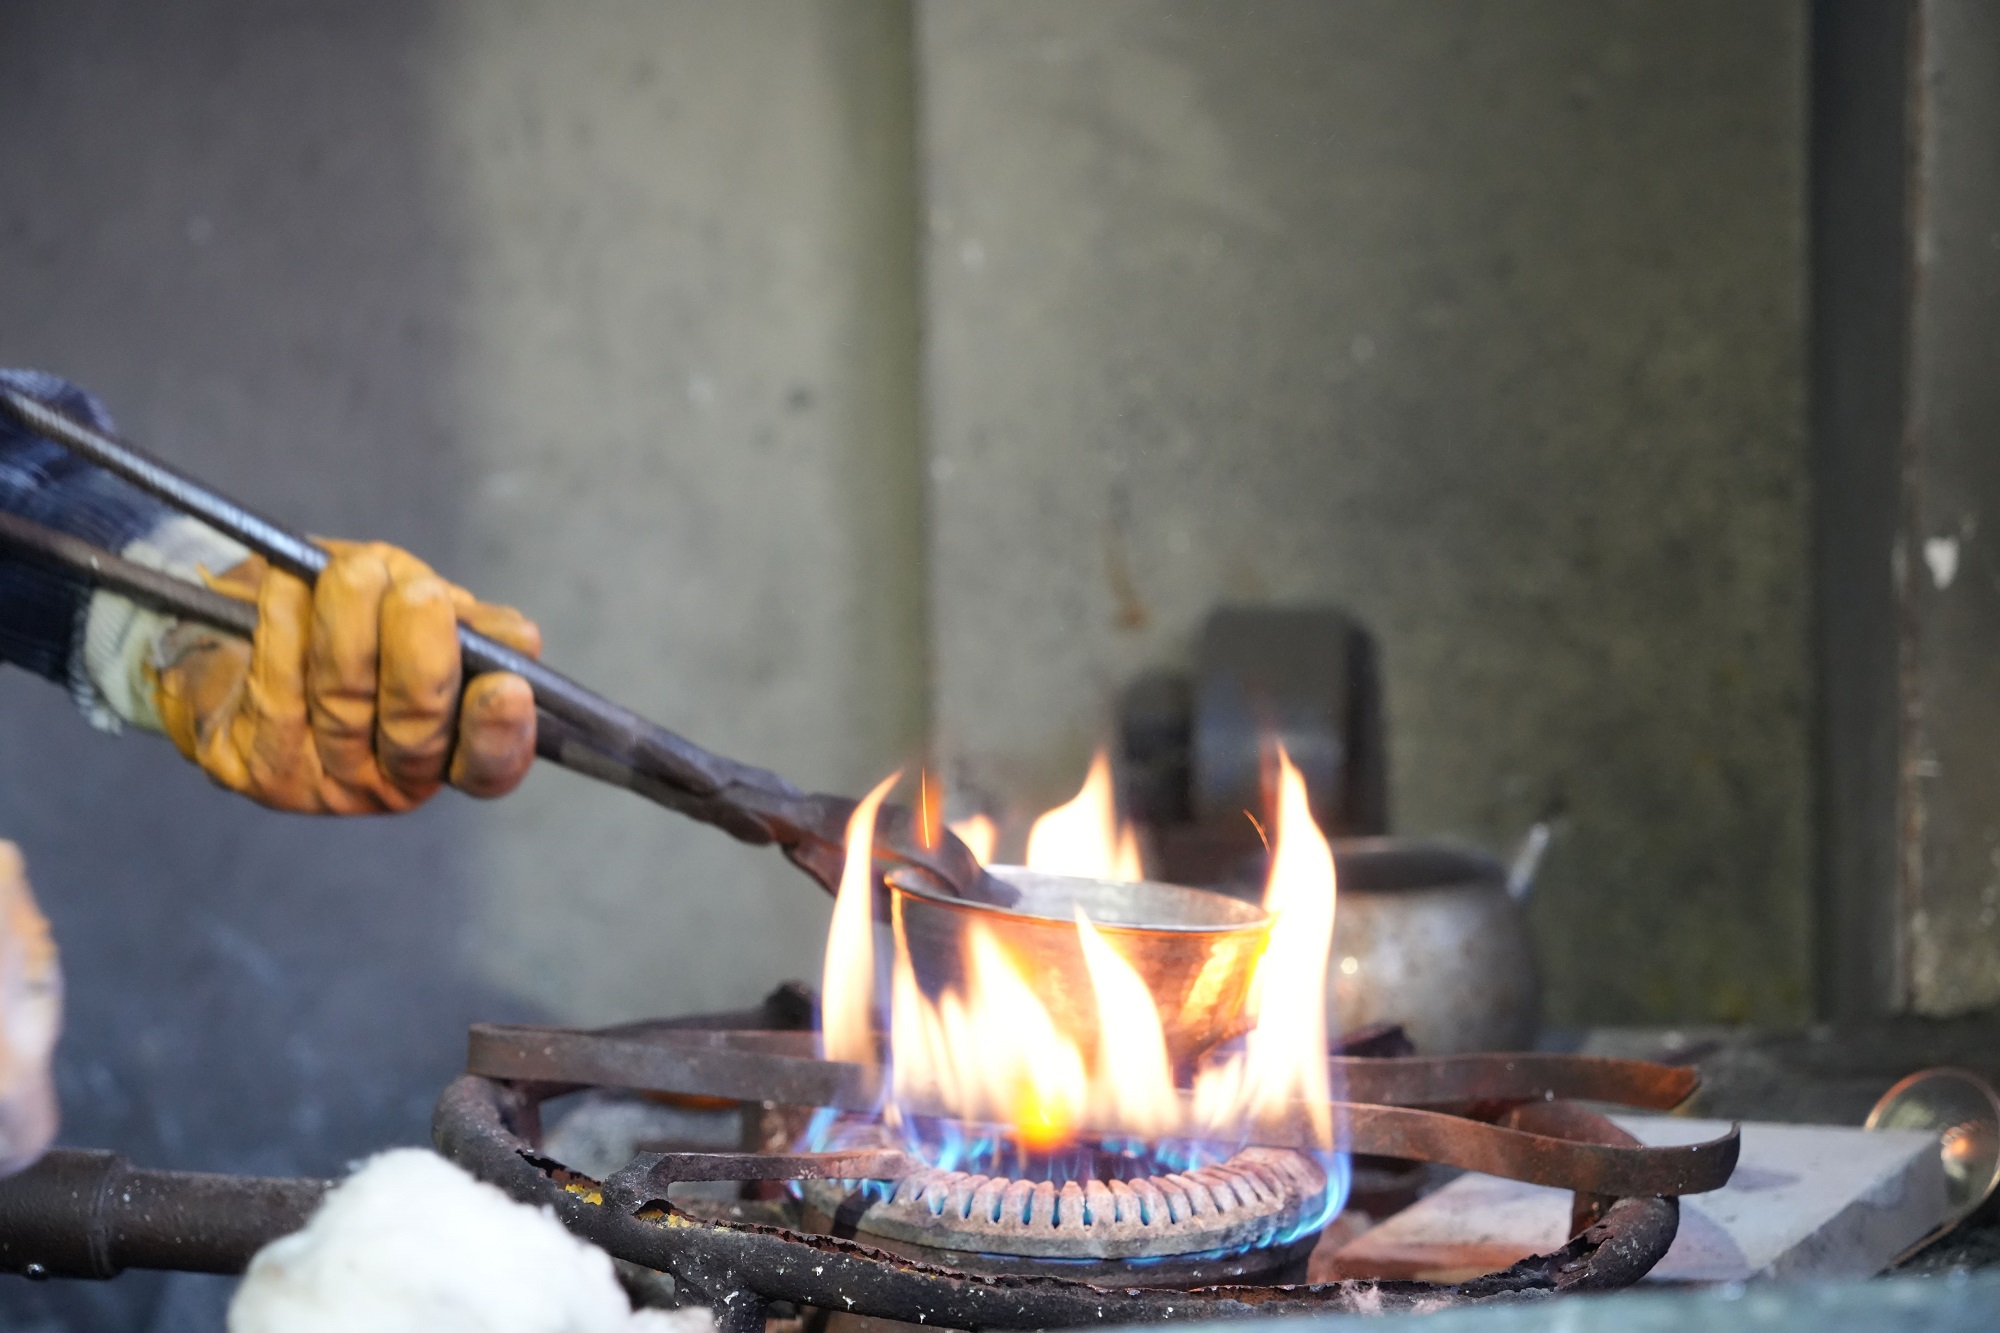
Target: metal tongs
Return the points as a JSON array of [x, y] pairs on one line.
[[576, 727]]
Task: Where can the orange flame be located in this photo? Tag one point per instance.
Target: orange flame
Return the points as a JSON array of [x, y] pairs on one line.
[[1084, 837], [847, 981], [1021, 1070], [1132, 1086], [994, 1053], [1285, 1056]]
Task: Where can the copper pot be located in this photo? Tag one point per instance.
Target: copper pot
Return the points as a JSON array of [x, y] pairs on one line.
[[1195, 950]]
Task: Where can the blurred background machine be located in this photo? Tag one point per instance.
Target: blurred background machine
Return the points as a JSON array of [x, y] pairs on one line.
[[1430, 935], [1195, 748]]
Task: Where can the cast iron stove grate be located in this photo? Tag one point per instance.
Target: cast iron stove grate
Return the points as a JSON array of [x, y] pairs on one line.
[[1508, 1115]]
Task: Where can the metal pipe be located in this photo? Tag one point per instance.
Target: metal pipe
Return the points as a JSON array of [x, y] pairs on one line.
[[580, 729], [147, 586], [617, 730], [90, 1214]]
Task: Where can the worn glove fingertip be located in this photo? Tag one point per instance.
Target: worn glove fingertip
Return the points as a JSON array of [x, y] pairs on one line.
[[496, 736]]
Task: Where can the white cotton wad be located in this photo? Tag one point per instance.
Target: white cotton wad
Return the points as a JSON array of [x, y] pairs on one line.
[[412, 1244]]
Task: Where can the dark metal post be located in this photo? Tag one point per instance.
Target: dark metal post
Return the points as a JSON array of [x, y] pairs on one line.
[[1906, 412], [1860, 298]]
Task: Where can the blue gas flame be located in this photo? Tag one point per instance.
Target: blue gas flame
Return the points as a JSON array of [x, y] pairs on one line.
[[991, 1150]]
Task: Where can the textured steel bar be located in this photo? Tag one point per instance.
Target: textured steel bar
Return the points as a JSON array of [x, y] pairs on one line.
[[1615, 1169], [772, 1067], [90, 1214], [162, 592], [627, 1053], [284, 549], [596, 735], [1524, 1076], [702, 1063], [192, 601], [620, 731]]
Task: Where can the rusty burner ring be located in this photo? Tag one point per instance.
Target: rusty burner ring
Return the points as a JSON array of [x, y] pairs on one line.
[[1222, 1221], [1625, 1218]]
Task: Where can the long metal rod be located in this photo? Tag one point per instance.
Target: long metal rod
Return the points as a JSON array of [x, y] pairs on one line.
[[191, 601], [579, 728], [784, 1066], [162, 592], [616, 730]]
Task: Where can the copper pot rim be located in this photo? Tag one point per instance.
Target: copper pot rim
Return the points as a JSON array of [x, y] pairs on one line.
[[1249, 918]]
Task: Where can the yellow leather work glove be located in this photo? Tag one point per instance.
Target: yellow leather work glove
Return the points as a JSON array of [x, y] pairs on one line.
[[347, 701]]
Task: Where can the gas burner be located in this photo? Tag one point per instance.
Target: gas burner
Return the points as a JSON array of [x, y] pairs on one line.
[[1253, 1204], [967, 1269]]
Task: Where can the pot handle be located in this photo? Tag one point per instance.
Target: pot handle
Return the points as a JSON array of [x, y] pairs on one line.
[[1528, 860]]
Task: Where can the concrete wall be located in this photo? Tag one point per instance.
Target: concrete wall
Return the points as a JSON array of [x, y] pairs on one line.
[[684, 378], [1482, 320]]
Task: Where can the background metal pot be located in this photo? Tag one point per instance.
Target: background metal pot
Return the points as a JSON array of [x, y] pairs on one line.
[[1428, 935]]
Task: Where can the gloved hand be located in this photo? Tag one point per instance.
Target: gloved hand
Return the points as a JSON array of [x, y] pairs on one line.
[[30, 1018], [347, 701]]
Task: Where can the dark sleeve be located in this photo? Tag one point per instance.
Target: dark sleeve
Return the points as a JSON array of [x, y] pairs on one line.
[[41, 612]]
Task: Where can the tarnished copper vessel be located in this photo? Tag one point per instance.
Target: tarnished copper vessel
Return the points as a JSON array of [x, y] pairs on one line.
[[1195, 950]]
